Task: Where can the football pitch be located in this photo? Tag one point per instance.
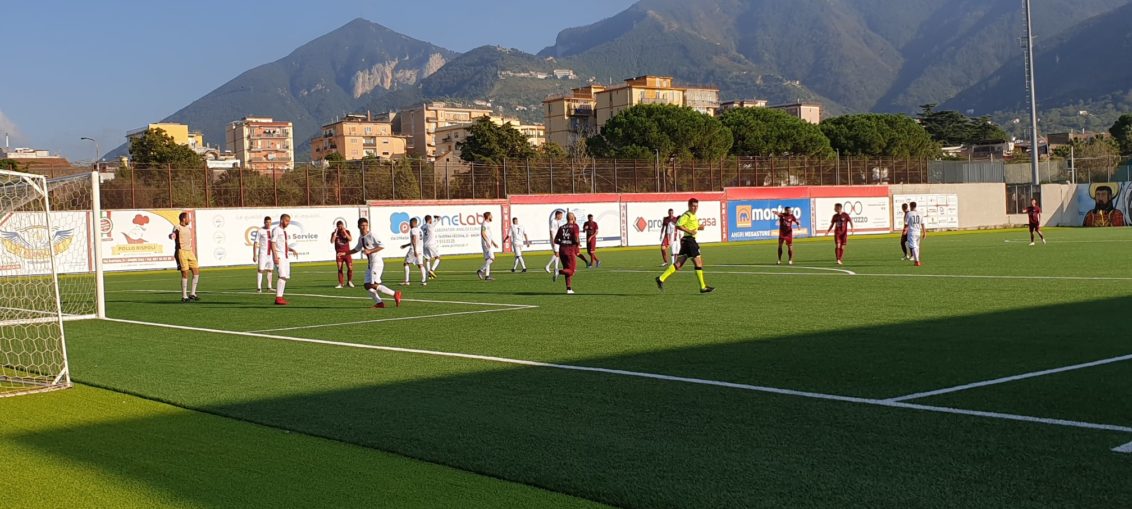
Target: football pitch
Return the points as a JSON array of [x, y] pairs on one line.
[[996, 375]]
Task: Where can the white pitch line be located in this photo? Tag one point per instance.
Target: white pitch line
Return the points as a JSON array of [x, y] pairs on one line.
[[667, 378], [943, 276], [828, 269], [1008, 379], [400, 318], [346, 297], [1072, 241], [741, 273], [1124, 449]]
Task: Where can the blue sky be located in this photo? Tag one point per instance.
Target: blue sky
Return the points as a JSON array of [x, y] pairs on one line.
[[101, 68]]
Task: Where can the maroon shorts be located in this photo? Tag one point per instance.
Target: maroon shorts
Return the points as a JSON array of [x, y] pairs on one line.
[[344, 258], [786, 239], [1035, 227], [591, 245], [666, 241], [841, 238], [569, 258]]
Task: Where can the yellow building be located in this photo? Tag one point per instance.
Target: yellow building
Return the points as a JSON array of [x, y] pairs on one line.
[[356, 137], [449, 137], [809, 112], [419, 124], [262, 144], [179, 132], [569, 117]]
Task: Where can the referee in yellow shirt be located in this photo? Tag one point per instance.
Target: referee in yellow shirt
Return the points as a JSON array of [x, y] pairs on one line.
[[689, 248]]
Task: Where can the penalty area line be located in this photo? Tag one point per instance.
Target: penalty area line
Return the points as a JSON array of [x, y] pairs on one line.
[[666, 378]]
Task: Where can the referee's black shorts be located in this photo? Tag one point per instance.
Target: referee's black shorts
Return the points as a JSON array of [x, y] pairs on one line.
[[689, 247]]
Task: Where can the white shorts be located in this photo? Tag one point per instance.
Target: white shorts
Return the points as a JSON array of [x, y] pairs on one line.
[[284, 268], [411, 258], [488, 254], [265, 264], [518, 249], [554, 247], [914, 242], [373, 275], [431, 252]]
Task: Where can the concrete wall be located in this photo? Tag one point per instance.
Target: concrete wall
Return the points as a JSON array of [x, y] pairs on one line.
[[981, 206], [1059, 205]]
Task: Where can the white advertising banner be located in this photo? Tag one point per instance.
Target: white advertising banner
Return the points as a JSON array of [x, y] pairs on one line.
[[138, 239], [940, 211], [644, 219], [870, 214], [26, 243], [457, 227], [535, 218], [226, 236]]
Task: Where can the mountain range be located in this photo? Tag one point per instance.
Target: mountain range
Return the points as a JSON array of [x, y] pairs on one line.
[[850, 55]]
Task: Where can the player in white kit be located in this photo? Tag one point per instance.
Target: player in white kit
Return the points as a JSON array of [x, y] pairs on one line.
[[431, 253], [669, 239], [371, 247], [556, 222], [487, 244], [518, 238], [916, 231], [261, 255], [281, 254], [414, 257]]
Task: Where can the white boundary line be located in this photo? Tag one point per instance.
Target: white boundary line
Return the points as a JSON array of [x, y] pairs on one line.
[[768, 266], [667, 378], [1007, 379], [1124, 449], [1016, 241], [347, 297], [395, 319], [858, 274]]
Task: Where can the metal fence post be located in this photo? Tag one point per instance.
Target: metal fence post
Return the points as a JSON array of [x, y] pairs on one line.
[[363, 170], [473, 180], [307, 172], [528, 165], [392, 180], [504, 176]]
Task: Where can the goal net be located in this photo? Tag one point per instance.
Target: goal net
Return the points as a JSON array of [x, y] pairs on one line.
[[49, 273]]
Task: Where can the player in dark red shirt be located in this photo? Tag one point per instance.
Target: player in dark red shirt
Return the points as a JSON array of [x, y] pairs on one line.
[[786, 222], [590, 227], [840, 225], [1034, 214], [567, 239], [904, 232], [343, 241]]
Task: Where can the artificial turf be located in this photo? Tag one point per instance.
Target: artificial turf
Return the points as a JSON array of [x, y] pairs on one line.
[[984, 306]]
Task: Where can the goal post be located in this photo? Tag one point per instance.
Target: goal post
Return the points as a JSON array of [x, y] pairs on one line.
[[50, 272]]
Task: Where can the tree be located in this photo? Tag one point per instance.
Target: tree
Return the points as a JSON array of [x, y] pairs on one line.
[[768, 132], [550, 150], [154, 148], [489, 143], [876, 134], [951, 128], [9, 164], [1121, 131], [674, 131], [334, 157]]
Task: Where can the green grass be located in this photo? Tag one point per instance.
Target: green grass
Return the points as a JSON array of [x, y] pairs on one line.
[[889, 330]]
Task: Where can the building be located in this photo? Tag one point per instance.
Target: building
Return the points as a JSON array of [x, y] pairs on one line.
[[809, 112], [419, 124], [358, 136], [742, 103], [179, 132], [569, 117], [262, 144], [30, 159], [448, 139]]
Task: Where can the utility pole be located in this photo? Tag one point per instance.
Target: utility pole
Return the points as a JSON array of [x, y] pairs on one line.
[[97, 154], [1029, 46]]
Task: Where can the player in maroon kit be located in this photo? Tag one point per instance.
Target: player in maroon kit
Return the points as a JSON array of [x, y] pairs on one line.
[[1034, 213], [342, 241], [840, 226], [786, 222], [567, 240], [590, 227], [904, 233]]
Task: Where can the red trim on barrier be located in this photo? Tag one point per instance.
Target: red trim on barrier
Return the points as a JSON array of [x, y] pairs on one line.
[[425, 203], [766, 193], [670, 197], [527, 199], [848, 191]]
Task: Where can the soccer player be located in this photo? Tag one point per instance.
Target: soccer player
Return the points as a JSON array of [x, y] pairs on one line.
[[281, 252], [786, 222], [555, 223], [840, 225], [914, 225], [415, 255], [1034, 212], [261, 257], [669, 239], [518, 238], [371, 247], [487, 244], [431, 252], [182, 235], [342, 239], [567, 240], [904, 233], [689, 225], [590, 227]]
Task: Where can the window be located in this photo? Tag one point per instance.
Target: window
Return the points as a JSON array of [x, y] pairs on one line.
[[369, 130], [1018, 197]]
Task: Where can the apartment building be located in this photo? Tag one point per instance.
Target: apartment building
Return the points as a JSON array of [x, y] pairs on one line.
[[569, 117], [448, 138], [262, 144], [179, 132], [419, 124], [355, 137], [809, 112]]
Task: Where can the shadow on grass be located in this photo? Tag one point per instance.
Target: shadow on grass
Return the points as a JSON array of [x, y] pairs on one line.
[[647, 443]]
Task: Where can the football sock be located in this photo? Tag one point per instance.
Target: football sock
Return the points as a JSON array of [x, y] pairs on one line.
[[374, 295], [406, 273], [196, 278], [258, 280], [279, 288], [384, 289], [184, 288], [341, 279], [668, 272], [435, 264], [350, 275], [424, 274], [700, 276]]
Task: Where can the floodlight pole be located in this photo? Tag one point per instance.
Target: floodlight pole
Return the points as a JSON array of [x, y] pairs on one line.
[[1034, 148]]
